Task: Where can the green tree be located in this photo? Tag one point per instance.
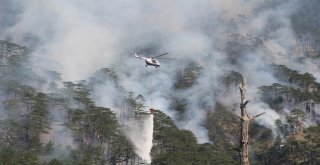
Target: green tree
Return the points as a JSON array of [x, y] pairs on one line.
[[296, 119]]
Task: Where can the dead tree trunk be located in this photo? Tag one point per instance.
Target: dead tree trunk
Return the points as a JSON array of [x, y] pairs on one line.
[[245, 121], [244, 150]]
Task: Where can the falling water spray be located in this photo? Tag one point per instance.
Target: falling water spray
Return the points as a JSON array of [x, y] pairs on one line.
[[140, 134]]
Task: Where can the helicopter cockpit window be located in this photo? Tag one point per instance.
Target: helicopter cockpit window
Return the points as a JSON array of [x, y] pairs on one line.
[[154, 61]]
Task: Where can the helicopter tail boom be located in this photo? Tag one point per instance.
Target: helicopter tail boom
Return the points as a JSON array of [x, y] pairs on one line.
[[135, 54]]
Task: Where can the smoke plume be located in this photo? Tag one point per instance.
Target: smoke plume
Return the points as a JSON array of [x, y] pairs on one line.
[[78, 37]]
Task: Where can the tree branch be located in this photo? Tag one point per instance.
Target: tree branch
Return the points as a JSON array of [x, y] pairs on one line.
[[244, 104], [254, 117], [236, 115]]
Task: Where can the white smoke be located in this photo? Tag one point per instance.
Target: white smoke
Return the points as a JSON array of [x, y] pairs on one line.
[[79, 37]]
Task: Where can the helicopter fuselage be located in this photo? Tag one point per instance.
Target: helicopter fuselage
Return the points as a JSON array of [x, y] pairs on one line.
[[152, 62]]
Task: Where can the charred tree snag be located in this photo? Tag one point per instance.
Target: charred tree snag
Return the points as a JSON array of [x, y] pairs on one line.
[[245, 121]]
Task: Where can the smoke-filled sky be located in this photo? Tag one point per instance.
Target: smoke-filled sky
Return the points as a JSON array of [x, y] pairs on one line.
[[78, 37]]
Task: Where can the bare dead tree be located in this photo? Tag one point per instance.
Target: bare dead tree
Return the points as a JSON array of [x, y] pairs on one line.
[[245, 121]]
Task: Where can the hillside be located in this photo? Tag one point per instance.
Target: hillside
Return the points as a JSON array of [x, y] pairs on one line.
[[72, 91]]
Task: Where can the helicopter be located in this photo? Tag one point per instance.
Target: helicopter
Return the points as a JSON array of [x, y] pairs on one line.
[[152, 60]]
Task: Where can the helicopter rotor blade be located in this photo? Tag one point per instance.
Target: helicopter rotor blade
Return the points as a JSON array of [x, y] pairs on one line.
[[160, 55], [166, 58]]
